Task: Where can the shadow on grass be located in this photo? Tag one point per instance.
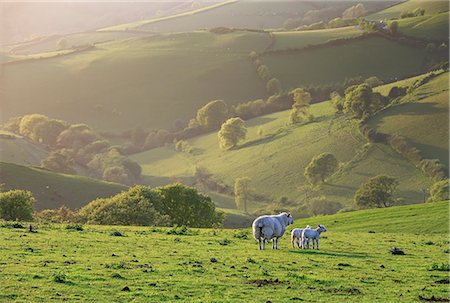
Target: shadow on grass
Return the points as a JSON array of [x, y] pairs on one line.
[[266, 139], [330, 253]]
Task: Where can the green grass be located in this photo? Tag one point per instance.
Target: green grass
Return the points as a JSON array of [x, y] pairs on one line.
[[57, 264], [298, 39], [53, 190], [422, 119], [148, 81], [434, 27], [430, 6], [276, 161], [369, 57]]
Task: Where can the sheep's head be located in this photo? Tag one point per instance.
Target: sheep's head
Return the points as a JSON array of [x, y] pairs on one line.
[[290, 220], [322, 228]]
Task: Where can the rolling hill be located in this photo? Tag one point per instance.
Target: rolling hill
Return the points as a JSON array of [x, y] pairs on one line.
[[276, 160], [15, 149], [53, 190], [429, 27], [430, 6]]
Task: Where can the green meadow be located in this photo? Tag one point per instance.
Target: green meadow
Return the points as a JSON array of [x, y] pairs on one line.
[[434, 27], [430, 6], [148, 264]]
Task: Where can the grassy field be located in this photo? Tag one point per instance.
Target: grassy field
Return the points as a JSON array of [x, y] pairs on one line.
[[434, 27], [421, 121], [148, 81], [276, 160], [430, 6], [298, 39], [149, 265], [369, 57], [53, 190]]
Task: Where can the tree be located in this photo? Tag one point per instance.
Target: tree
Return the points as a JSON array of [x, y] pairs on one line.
[[47, 132], [242, 193], [212, 115], [16, 204], [273, 86], [362, 102], [439, 191], [337, 101], [60, 215], [377, 192], [60, 161], [300, 109], [28, 123], [186, 206], [321, 206], [231, 132], [320, 168]]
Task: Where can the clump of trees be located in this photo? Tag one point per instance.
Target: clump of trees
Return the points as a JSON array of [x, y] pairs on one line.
[[76, 145], [320, 168], [242, 193], [16, 204], [355, 11], [362, 102], [212, 115], [174, 204], [377, 192], [60, 215], [183, 146], [301, 108], [231, 132]]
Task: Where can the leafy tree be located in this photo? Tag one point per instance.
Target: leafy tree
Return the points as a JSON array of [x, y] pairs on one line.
[[377, 192], [231, 132], [439, 191], [186, 206], [76, 137], [264, 72], [321, 206], [116, 174], [13, 124], [300, 109], [212, 115], [273, 86], [47, 132], [321, 167], [60, 161], [28, 123], [280, 101], [242, 193], [362, 102], [16, 204]]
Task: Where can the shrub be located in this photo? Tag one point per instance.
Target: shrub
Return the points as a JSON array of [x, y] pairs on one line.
[[16, 204], [60, 215], [78, 227]]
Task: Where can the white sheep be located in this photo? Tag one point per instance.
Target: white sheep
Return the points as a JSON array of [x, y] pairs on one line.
[[270, 228], [313, 234], [296, 236]]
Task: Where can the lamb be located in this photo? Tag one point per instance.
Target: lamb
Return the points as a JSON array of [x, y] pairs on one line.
[[296, 236], [313, 234], [270, 228]]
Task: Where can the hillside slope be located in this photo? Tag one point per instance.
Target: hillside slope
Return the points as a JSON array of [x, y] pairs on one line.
[[15, 149], [149, 81], [434, 27], [430, 6], [276, 160], [53, 190]]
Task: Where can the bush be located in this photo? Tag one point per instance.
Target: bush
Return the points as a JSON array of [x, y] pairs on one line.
[[60, 215], [78, 227], [320, 206], [16, 204], [439, 191]]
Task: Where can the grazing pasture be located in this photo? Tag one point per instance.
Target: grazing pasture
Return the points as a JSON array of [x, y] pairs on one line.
[[59, 263], [430, 6], [434, 27]]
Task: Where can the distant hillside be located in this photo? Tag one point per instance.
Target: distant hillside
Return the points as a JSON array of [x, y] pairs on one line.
[[434, 27], [275, 160], [53, 190], [410, 219], [430, 6], [149, 81]]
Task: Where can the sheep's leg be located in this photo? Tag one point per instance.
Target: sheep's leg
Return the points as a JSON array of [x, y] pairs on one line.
[[276, 243], [259, 244], [292, 242], [298, 243], [264, 244], [317, 244], [307, 244]]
